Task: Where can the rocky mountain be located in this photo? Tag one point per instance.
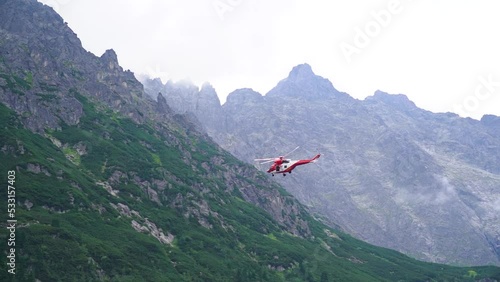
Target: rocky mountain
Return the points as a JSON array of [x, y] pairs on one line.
[[392, 174], [105, 184], [187, 99]]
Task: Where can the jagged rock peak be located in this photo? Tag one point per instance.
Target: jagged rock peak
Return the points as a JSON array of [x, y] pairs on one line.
[[110, 56], [301, 72], [491, 119], [243, 95], [156, 82], [110, 60], [162, 105], [207, 88], [30, 18], [302, 82], [161, 100], [14, 13], [397, 100], [492, 123], [207, 92]]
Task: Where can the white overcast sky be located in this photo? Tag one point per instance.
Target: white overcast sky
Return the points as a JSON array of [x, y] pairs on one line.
[[444, 55]]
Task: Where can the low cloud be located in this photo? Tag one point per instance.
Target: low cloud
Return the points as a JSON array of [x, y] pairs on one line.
[[442, 193], [447, 191]]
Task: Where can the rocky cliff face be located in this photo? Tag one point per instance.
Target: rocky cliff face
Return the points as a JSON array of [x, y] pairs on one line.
[[392, 174], [492, 123], [44, 69], [185, 98], [39, 49], [114, 186]]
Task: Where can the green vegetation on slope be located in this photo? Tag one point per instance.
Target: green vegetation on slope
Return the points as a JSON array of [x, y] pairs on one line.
[[70, 183]]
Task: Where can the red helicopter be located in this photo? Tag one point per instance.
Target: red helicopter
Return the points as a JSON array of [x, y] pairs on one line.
[[283, 165]]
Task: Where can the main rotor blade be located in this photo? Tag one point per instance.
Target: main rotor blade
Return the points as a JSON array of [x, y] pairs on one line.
[[264, 159], [267, 161], [291, 151]]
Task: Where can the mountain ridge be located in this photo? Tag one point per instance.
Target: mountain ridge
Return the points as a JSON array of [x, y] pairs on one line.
[[407, 154], [114, 186]]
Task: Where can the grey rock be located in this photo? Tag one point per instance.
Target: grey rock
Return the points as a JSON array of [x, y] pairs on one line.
[[46, 77], [392, 174]]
